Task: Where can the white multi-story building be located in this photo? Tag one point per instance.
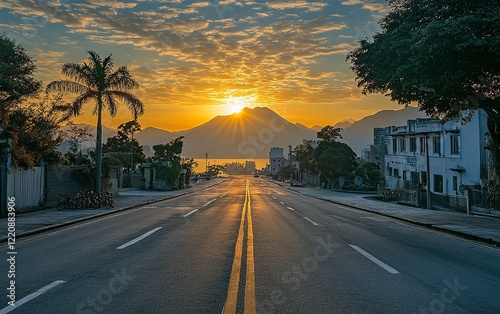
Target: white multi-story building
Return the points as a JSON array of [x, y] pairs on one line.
[[453, 154], [276, 160]]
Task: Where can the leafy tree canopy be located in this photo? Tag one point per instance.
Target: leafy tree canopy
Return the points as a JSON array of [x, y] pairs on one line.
[[34, 130], [334, 159], [118, 148], [329, 133], [16, 76], [76, 135], [442, 54], [170, 151]]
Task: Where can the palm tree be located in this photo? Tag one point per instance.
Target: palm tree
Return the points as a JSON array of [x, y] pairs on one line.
[[96, 81]]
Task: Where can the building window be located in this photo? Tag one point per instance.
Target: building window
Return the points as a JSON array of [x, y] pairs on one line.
[[402, 145], [438, 183], [404, 175], [390, 171], [394, 146], [414, 178], [455, 144], [436, 145], [423, 177], [422, 145], [455, 183], [396, 172], [413, 145]]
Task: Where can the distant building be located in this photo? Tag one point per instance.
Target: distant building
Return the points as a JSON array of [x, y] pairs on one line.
[[456, 154], [375, 153], [276, 160]]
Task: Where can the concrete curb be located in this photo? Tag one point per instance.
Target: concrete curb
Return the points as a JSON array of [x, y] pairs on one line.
[[426, 225], [82, 219]]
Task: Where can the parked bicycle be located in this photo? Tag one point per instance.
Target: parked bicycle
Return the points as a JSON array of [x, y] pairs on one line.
[[86, 199]]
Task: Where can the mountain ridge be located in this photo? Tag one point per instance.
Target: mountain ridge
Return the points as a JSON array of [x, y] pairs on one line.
[[252, 132]]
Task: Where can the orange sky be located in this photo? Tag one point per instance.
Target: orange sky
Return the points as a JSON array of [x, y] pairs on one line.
[[198, 59]]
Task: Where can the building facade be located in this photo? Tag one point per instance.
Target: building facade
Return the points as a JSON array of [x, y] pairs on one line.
[[447, 155], [276, 160]]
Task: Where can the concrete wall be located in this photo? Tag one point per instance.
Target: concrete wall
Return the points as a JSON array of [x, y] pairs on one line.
[[61, 181]]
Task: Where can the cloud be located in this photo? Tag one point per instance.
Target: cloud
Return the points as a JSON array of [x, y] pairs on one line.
[[300, 4], [376, 7], [265, 49], [352, 2]]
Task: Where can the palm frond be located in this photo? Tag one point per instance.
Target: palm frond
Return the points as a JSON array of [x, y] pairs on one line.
[[121, 80], [65, 86], [108, 65], [76, 72], [110, 104], [133, 103], [79, 101]]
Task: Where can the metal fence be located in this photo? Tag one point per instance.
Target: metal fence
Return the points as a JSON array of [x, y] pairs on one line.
[[418, 198], [485, 199], [408, 197], [454, 202]]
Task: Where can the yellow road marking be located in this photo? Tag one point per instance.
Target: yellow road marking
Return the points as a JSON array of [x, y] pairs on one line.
[[234, 280], [250, 306]]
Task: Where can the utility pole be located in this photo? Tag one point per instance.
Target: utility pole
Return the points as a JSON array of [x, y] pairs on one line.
[[428, 177], [131, 157], [206, 163]]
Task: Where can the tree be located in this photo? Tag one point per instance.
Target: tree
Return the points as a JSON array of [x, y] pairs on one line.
[[117, 149], [96, 81], [334, 160], [17, 83], [305, 154], [189, 164], [288, 172], [442, 54], [215, 170], [370, 172], [329, 133], [234, 167], [168, 160], [34, 131], [76, 135], [170, 151]]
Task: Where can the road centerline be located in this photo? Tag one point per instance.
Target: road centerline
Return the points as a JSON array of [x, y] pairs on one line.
[[375, 260], [138, 238], [234, 279]]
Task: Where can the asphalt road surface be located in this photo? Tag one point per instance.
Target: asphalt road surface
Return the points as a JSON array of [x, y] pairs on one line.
[[245, 246]]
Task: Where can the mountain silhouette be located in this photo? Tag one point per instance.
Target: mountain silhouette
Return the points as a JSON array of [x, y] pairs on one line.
[[360, 134], [251, 133], [248, 134]]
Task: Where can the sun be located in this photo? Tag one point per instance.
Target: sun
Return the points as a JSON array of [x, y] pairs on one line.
[[235, 104], [235, 108]]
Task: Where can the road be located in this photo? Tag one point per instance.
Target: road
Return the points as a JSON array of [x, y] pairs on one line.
[[248, 245]]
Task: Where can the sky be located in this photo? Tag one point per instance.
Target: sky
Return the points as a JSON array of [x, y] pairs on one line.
[[195, 60]]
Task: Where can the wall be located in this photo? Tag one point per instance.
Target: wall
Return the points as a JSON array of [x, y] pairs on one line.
[[61, 181], [27, 186]]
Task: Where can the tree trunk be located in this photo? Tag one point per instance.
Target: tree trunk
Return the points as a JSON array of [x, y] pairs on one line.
[[98, 146]]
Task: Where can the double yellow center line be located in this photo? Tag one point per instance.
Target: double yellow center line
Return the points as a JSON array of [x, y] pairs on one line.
[[234, 280]]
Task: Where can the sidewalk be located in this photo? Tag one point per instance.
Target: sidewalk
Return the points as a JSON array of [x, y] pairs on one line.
[[485, 229], [40, 221]]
